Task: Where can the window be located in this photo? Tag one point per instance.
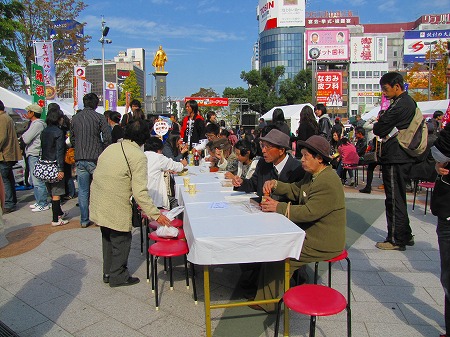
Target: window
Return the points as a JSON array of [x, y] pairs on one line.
[[368, 74], [362, 74], [354, 87], [354, 112], [368, 100], [369, 87], [395, 53], [362, 87], [354, 74], [376, 74], [361, 100], [354, 100], [394, 64]]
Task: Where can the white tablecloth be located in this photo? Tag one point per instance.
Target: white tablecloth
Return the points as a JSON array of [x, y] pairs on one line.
[[222, 228]]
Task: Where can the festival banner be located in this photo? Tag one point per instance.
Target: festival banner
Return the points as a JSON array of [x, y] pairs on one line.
[[38, 88], [83, 87], [209, 101], [44, 56], [329, 88], [110, 96]]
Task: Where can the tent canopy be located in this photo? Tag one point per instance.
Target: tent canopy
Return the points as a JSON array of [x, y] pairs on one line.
[[291, 114], [427, 108]]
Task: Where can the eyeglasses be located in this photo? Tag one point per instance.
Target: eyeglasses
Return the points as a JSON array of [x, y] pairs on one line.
[[266, 146]]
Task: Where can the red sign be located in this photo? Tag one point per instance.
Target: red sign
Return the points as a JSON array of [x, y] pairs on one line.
[[209, 101], [329, 88]]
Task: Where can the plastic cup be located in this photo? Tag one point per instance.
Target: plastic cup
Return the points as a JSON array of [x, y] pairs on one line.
[[192, 189], [186, 181]]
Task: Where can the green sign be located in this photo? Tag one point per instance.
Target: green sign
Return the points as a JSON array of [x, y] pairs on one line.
[[38, 87]]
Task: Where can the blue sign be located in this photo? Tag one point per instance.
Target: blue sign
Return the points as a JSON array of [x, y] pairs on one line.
[[416, 44], [66, 36]]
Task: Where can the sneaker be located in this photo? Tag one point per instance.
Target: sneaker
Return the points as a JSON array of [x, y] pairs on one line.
[[34, 205], [387, 245], [41, 208], [411, 241], [60, 222], [64, 215]]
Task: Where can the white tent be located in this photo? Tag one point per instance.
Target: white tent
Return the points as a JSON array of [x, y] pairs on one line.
[[291, 114], [427, 108], [13, 99]]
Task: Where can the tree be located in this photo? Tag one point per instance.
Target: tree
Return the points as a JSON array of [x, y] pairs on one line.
[[37, 19], [205, 92], [10, 66], [130, 85]]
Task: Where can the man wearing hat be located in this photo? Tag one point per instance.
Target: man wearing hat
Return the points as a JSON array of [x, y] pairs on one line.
[[32, 140], [277, 164], [10, 154], [318, 207]]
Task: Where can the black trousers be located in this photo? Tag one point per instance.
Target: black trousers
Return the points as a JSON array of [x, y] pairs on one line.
[[399, 230], [116, 249], [443, 233]]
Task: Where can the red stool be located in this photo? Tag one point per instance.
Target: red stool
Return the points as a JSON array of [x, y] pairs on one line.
[[313, 300], [175, 223], [153, 236], [169, 249], [424, 184]]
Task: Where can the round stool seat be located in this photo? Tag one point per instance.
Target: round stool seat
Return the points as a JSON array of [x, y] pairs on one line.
[[340, 257], [315, 300], [426, 184], [169, 248], [153, 236], [175, 223]]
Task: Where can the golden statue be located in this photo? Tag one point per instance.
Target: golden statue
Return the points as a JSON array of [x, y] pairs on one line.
[[159, 60]]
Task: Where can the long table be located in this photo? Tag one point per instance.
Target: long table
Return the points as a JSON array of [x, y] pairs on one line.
[[223, 227]]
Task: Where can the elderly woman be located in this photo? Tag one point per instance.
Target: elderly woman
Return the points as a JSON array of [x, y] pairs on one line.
[[318, 208], [121, 173]]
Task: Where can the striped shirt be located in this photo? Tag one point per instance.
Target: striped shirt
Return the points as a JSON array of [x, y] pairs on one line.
[[89, 134]]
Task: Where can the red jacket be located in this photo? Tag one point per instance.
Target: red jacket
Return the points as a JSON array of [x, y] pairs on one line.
[[197, 133]]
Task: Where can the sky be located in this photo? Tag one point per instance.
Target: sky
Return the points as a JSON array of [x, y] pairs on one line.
[[210, 42]]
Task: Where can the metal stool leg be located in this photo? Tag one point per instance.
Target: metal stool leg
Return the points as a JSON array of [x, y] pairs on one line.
[[277, 322], [415, 193], [193, 283], [170, 273], [349, 311], [155, 277], [312, 326], [187, 271]]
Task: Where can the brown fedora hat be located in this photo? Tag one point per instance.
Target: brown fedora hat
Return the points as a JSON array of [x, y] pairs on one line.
[[277, 138], [319, 145]]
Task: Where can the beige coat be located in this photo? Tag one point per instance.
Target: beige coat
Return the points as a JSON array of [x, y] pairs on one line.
[[113, 185], [9, 143]]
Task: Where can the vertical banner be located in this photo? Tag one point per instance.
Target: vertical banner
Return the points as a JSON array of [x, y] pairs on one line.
[[78, 72], [329, 88], [44, 57], [83, 87], [110, 96], [127, 99], [38, 87]]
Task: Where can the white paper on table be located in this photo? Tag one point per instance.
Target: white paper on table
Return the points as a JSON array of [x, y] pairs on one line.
[[174, 212], [218, 205]]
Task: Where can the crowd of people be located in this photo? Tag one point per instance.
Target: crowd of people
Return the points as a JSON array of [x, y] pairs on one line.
[[120, 158]]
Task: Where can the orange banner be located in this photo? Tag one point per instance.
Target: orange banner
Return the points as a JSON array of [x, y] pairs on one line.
[[209, 101]]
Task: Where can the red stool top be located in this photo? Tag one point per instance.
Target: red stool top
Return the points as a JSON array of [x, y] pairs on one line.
[[426, 184], [154, 237], [170, 248], [340, 257], [315, 300], [175, 223]]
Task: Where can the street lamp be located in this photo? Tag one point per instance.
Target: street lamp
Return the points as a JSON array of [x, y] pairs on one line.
[[103, 40], [426, 43]]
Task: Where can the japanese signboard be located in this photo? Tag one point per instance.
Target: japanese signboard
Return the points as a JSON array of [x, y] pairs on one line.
[[414, 47], [66, 35], [280, 13], [38, 87], [110, 96], [209, 101], [329, 88], [81, 88], [368, 49], [43, 52], [331, 44]]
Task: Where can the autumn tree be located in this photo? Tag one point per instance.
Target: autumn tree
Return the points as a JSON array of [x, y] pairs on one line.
[[130, 85], [10, 66], [37, 19], [205, 92]]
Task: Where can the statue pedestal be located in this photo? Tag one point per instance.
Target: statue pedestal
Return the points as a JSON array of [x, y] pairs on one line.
[[161, 91]]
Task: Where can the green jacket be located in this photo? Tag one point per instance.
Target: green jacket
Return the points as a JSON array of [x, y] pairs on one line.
[[113, 185], [318, 207]]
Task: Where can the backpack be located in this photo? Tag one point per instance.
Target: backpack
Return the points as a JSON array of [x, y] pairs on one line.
[[413, 140]]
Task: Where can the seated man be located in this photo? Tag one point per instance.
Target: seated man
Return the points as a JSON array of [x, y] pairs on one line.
[[318, 208], [277, 164]]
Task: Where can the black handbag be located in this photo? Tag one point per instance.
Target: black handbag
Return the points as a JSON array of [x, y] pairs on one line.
[[46, 170], [371, 157], [440, 197]]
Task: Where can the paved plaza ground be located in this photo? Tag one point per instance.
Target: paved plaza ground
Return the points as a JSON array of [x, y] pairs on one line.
[[51, 283]]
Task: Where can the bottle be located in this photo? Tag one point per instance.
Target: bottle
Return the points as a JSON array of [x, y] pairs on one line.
[[190, 158], [196, 158]]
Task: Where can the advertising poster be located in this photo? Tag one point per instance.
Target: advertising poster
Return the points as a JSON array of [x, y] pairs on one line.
[[414, 47], [38, 88], [329, 88], [280, 13], [110, 96], [368, 49], [44, 56], [209, 101], [331, 45]]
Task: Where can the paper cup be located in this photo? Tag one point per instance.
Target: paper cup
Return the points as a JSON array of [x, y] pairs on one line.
[[186, 181]]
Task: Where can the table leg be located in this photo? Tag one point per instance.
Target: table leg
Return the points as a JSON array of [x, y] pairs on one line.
[[207, 301], [287, 266]]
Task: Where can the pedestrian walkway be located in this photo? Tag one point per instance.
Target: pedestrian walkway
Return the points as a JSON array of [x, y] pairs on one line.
[[51, 283]]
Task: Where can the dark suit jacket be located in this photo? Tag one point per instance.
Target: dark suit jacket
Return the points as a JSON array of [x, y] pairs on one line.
[[292, 172]]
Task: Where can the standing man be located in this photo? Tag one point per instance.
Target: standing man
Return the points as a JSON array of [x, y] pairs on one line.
[[135, 105], [90, 135], [395, 162], [10, 154], [32, 140], [324, 121]]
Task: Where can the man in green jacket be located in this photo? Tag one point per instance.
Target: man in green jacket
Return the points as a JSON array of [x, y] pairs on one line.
[[318, 207]]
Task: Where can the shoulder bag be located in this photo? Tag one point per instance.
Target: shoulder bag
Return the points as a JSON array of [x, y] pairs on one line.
[[372, 156], [46, 170]]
